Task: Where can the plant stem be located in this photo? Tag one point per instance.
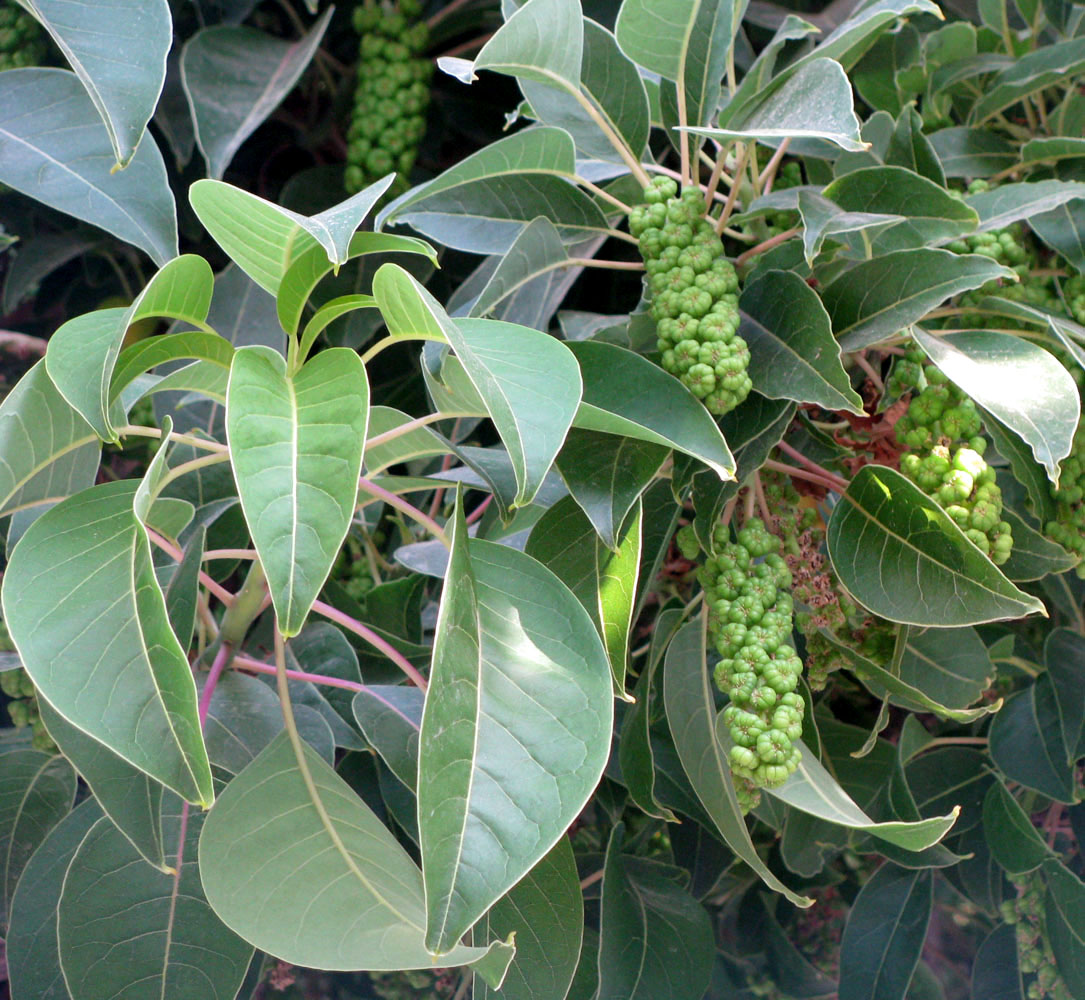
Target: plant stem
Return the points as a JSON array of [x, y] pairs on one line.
[[810, 464], [246, 606], [363, 632], [216, 458], [409, 510], [478, 511], [811, 477], [768, 175], [596, 876], [729, 205], [599, 192], [714, 178], [139, 430], [221, 662], [772, 241], [392, 339], [166, 546], [407, 428], [243, 662], [620, 147], [229, 554], [613, 265]]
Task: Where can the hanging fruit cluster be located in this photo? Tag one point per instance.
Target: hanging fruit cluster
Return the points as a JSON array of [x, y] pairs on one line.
[[22, 39]]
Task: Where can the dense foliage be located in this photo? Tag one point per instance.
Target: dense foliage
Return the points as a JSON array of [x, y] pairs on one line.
[[632, 547]]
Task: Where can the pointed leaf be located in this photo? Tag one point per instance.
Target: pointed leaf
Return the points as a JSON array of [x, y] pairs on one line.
[[234, 77], [905, 559], [691, 715], [1007, 203], [96, 640], [543, 41], [54, 150], [793, 354], [1019, 382], [171, 942], [515, 732], [268, 843], [296, 444], [119, 54], [1048, 66], [144, 355], [1063, 229]]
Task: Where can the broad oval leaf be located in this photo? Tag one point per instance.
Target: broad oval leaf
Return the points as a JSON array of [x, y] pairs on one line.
[[118, 51], [542, 41], [1019, 382], [972, 152], [170, 939], [54, 149], [296, 444], [88, 617], [234, 77], [267, 844], [657, 34], [515, 731], [905, 559]]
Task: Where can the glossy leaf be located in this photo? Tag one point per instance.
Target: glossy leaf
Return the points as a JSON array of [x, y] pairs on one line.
[[655, 939], [878, 297], [1020, 383], [793, 354], [509, 678], [545, 910], [1064, 652], [259, 854], [1015, 843], [691, 715], [33, 956], [128, 682], [37, 791], [884, 934], [54, 150], [234, 77], [49, 449], [128, 796], [296, 443], [626, 394], [171, 942], [1034, 555], [902, 557]]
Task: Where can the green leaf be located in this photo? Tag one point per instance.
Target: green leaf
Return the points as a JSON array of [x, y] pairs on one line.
[[264, 240], [391, 717], [884, 934], [36, 792], [52, 151], [517, 666], [296, 443], [1050, 149], [49, 449], [879, 297], [1064, 911], [1008, 203], [905, 559], [527, 380], [910, 148], [274, 842], [542, 41], [234, 77], [1015, 843], [1047, 66], [419, 443], [183, 591], [1020, 383], [628, 395], [813, 790], [98, 627], [949, 665], [655, 939], [603, 580], [822, 219], [995, 973], [691, 715], [481, 204], [1034, 556], [1063, 229], [1026, 742], [813, 103], [119, 54], [929, 214], [545, 911], [1064, 652], [33, 956], [128, 796], [793, 354], [1026, 470], [171, 942], [606, 474], [972, 152], [144, 355]]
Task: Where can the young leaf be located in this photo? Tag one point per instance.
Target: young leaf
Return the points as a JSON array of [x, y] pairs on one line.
[[793, 354], [88, 617], [275, 841], [542, 41], [1020, 383], [296, 443], [510, 676], [905, 559], [691, 715], [172, 942], [119, 54], [52, 151], [234, 77], [545, 910], [884, 934]]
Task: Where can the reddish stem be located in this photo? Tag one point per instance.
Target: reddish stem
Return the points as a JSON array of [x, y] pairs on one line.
[[811, 465], [479, 510], [220, 663], [363, 632], [259, 667]]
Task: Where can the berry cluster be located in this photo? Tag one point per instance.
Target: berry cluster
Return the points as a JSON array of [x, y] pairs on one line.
[[1073, 289], [1034, 952], [694, 295], [352, 570], [941, 430], [392, 94], [1068, 528], [750, 619], [22, 39]]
